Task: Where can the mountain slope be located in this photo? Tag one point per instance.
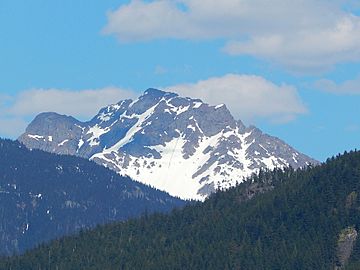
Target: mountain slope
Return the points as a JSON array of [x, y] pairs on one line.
[[181, 145], [301, 224], [44, 196]]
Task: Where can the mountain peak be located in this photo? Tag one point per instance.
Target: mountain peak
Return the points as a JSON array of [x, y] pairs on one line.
[[156, 93], [177, 144]]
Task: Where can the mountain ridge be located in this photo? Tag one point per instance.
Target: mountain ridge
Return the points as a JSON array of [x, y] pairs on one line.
[[44, 196], [177, 144]]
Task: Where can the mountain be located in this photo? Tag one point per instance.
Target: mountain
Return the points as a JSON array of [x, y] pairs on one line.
[[309, 220], [44, 196], [180, 145]]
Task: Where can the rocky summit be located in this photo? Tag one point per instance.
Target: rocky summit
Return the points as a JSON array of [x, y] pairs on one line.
[[177, 144]]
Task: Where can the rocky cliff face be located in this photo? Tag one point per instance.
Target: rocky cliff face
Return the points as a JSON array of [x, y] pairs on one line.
[[346, 242], [181, 145]]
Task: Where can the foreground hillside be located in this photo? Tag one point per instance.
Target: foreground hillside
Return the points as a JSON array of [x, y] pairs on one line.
[[44, 196], [180, 145], [308, 221]]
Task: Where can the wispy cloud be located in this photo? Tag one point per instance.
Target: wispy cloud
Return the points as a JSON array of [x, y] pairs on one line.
[[352, 128], [160, 70], [16, 111], [81, 104], [248, 97], [349, 87], [303, 35]]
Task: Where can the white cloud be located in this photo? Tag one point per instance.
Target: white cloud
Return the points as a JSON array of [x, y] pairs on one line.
[[308, 50], [248, 97], [350, 87], [160, 70], [304, 35], [16, 111], [82, 104]]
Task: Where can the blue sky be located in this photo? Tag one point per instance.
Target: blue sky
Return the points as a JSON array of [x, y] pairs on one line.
[[292, 69]]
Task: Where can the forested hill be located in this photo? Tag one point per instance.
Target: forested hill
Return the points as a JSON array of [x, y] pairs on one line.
[[308, 221], [44, 196]]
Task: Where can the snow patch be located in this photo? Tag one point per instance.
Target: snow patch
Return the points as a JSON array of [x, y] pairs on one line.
[[168, 172], [132, 131], [26, 228], [82, 128], [63, 142], [96, 132], [36, 137], [182, 109], [294, 156], [191, 127], [104, 117], [81, 143]]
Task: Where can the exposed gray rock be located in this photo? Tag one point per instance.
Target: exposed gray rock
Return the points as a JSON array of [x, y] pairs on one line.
[[346, 242], [52, 132], [207, 189]]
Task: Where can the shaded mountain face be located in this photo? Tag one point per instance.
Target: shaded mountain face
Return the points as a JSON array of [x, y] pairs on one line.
[[180, 145], [44, 196]]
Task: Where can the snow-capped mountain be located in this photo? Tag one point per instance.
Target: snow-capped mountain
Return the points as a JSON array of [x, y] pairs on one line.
[[180, 145]]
